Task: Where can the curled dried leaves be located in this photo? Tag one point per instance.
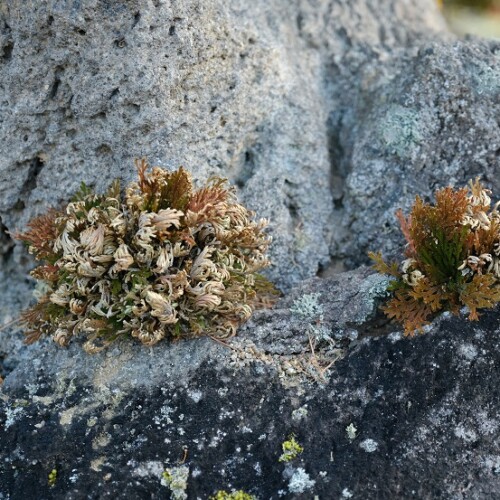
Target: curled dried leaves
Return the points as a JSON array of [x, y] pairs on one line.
[[162, 260]]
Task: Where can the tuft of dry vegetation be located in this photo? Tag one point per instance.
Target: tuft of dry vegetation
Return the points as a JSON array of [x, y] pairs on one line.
[[159, 260], [452, 258]]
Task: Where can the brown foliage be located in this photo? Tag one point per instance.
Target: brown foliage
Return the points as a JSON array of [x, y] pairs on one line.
[[452, 252]]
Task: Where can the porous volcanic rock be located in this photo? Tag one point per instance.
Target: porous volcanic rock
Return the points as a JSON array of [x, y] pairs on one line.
[[327, 115], [262, 93], [424, 410]]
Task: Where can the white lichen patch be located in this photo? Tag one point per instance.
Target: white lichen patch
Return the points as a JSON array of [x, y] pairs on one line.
[[164, 417], [369, 445], [491, 464], [214, 442], [300, 481], [346, 493], [308, 306], [468, 435], [299, 413], [176, 478], [145, 469], [487, 426], [468, 352], [195, 395], [10, 415]]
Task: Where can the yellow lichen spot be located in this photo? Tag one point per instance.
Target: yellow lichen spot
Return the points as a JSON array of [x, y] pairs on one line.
[[234, 495], [291, 449], [52, 477]]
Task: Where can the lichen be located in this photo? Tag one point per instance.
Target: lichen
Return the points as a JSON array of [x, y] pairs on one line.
[[300, 481], [369, 445], [234, 495], [159, 260], [291, 449], [308, 306], [351, 431], [52, 478], [175, 478]]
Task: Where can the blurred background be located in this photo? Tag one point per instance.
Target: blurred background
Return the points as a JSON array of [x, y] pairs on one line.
[[478, 17]]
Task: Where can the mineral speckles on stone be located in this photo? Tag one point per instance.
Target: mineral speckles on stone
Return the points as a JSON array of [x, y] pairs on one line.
[[369, 445], [423, 445]]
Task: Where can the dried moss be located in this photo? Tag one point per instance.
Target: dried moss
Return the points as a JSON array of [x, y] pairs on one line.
[[452, 258], [159, 260]]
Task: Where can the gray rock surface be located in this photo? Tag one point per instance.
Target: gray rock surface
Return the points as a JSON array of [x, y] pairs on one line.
[[422, 413], [263, 93], [327, 115]]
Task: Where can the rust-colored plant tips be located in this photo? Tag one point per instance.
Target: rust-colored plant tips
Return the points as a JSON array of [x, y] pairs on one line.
[[452, 258], [162, 260]]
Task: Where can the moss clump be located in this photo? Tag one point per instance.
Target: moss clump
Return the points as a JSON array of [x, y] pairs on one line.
[[452, 258], [291, 449], [160, 260]]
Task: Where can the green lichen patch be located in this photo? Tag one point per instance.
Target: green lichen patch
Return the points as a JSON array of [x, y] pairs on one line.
[[291, 449], [176, 478]]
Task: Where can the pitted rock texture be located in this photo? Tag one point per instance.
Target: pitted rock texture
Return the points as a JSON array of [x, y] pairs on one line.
[[425, 413], [259, 92], [327, 115]]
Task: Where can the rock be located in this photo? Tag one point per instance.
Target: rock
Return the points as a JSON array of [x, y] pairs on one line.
[[424, 411], [327, 116], [254, 92], [431, 123]]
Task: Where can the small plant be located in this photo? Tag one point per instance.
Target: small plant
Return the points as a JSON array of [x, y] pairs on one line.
[[291, 449], [161, 260], [452, 258]]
